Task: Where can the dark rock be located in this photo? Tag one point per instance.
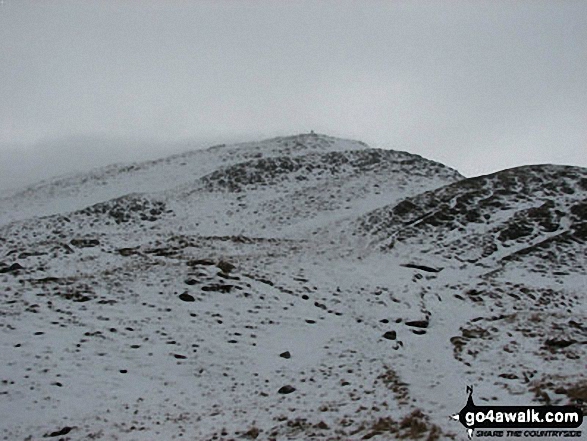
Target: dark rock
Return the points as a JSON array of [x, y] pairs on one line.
[[218, 288], [428, 269], [265, 281], [390, 335], [475, 333], [225, 267], [125, 252], [74, 296], [418, 323], [227, 277], [198, 262], [164, 252], [285, 354], [559, 344], [252, 433], [190, 281], [11, 269], [30, 254], [47, 280], [60, 432], [186, 297], [286, 390], [509, 376], [515, 231], [85, 243], [179, 356]]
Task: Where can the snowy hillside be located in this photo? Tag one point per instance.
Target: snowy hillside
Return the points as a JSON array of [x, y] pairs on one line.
[[303, 287], [79, 191]]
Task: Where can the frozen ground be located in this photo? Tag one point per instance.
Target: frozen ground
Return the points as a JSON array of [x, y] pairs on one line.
[[300, 288]]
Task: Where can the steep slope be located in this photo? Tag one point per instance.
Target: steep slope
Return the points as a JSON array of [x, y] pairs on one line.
[[509, 217], [513, 245], [299, 288]]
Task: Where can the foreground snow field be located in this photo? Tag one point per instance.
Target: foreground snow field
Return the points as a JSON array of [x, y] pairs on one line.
[[303, 287]]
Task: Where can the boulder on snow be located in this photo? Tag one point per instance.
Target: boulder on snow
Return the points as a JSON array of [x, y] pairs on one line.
[[186, 297], [286, 390]]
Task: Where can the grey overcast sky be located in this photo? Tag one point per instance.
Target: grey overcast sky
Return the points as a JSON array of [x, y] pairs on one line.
[[477, 85]]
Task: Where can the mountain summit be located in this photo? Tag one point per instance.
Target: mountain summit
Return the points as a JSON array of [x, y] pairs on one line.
[[302, 287]]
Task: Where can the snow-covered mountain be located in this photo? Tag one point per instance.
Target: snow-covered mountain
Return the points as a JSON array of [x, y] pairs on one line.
[[303, 287]]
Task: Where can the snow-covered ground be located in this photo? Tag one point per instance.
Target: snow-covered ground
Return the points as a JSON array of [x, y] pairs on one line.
[[303, 287]]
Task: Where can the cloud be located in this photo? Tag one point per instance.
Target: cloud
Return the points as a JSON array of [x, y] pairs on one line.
[[454, 81]]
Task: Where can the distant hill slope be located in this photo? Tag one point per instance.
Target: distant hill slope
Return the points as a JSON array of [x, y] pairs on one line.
[[77, 191]]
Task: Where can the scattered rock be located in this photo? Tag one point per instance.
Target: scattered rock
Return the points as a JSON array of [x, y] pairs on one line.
[[252, 433], [418, 323], [285, 354], [11, 269], [559, 344], [190, 281], [218, 288], [286, 390], [225, 267], [125, 252], [475, 333], [60, 432], [390, 335], [265, 281], [74, 296], [428, 269], [198, 262], [509, 376], [187, 297], [85, 243]]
